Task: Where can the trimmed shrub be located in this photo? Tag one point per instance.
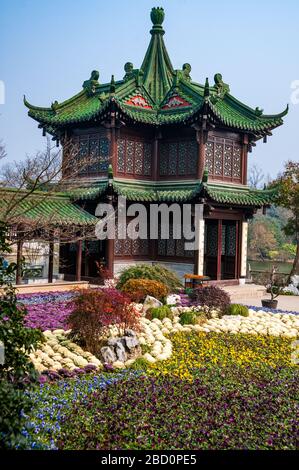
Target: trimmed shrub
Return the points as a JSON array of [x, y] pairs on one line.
[[188, 318], [155, 273], [237, 309], [97, 309], [138, 289], [211, 296], [159, 312]]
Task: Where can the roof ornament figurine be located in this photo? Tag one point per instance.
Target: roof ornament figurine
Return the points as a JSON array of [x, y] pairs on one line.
[[258, 111], [130, 71], [221, 88], [55, 105], [185, 74], [91, 85]]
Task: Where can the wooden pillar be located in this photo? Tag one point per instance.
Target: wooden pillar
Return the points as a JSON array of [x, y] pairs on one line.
[[51, 262], [219, 251], [19, 262], [78, 260]]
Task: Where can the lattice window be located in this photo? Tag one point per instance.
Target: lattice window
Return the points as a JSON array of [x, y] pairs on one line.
[[237, 162], [134, 157], [178, 158], [121, 155], [130, 157], [223, 159], [95, 149]]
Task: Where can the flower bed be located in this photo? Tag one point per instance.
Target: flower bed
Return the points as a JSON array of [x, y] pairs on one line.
[[247, 402]]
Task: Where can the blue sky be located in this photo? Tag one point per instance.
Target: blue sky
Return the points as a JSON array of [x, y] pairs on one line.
[[48, 48]]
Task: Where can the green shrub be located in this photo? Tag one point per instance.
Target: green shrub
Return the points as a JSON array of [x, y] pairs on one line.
[[138, 289], [188, 318], [212, 297], [152, 272], [159, 312], [237, 309]]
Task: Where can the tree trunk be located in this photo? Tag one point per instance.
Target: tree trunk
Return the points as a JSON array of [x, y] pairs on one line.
[[295, 267]]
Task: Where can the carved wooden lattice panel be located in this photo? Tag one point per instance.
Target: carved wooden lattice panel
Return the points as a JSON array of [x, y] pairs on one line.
[[210, 157], [237, 161], [147, 159], [228, 160], [223, 159], [95, 149], [218, 159], [130, 156], [121, 155], [134, 157], [164, 159], [178, 158]]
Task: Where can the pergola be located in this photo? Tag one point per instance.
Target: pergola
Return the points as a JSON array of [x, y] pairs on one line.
[[45, 216]]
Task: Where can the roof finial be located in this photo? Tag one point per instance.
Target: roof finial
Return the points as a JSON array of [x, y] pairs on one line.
[[112, 84], [157, 17], [207, 89]]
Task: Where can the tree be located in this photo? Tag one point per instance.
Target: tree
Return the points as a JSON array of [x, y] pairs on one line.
[[2, 150], [256, 177], [261, 239], [289, 198]]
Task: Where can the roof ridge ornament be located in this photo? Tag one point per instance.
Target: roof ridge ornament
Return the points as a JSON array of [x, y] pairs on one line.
[[91, 85], [206, 92], [221, 88], [157, 17]]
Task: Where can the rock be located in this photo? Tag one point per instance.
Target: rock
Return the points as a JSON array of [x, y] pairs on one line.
[[120, 351], [112, 342], [108, 354], [129, 332], [131, 343], [151, 302]]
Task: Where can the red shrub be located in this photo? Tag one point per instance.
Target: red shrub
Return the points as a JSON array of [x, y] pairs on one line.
[[95, 310], [210, 296]]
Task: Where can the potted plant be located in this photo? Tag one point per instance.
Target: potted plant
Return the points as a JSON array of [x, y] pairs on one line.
[[274, 287]]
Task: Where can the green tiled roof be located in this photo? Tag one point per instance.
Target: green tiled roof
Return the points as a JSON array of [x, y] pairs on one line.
[[242, 196], [157, 192], [155, 94], [56, 210], [88, 192], [151, 191]]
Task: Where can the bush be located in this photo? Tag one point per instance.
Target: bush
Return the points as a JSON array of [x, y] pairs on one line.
[[159, 312], [188, 318], [211, 296], [95, 310], [237, 309], [154, 273], [138, 289]]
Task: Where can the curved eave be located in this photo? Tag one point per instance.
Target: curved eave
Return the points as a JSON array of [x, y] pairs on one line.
[[243, 197]]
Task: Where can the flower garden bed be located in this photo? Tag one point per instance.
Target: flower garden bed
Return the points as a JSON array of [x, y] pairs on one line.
[[218, 391], [224, 381]]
